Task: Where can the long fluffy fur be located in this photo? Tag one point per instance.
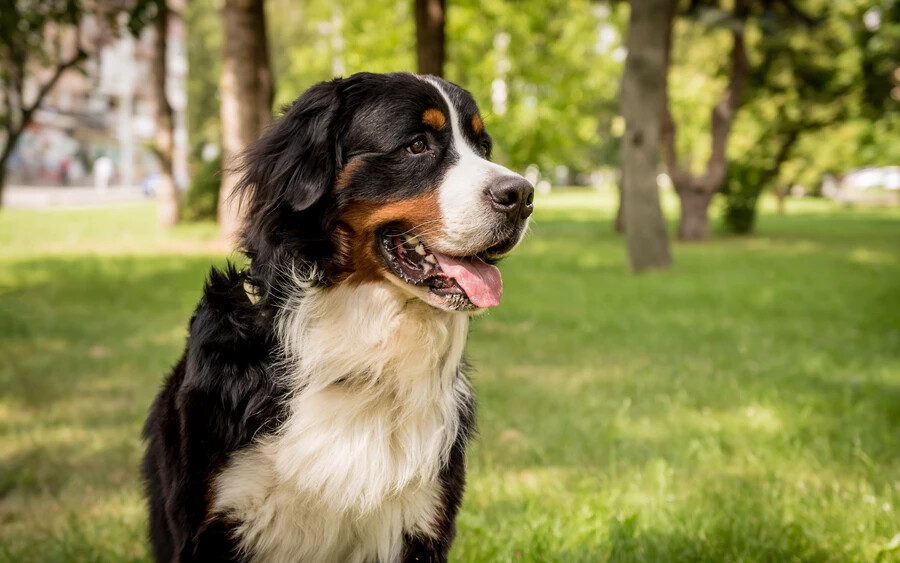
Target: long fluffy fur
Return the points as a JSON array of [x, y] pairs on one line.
[[373, 418], [326, 418]]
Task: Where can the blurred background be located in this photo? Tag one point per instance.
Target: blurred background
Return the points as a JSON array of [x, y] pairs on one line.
[[698, 353]]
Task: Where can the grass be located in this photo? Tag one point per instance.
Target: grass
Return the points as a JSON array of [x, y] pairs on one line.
[[744, 406]]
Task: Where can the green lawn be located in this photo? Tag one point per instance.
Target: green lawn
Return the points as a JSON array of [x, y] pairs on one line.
[[744, 406]]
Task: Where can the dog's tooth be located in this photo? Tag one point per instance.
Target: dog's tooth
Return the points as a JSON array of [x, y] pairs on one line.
[[427, 267], [413, 241], [430, 259], [420, 249]]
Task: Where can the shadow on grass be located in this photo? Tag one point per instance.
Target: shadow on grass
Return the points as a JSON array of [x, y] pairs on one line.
[[86, 342], [70, 323], [761, 354], [778, 356]]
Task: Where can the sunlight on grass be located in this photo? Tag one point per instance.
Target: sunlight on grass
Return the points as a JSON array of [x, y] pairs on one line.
[[870, 256], [743, 406]]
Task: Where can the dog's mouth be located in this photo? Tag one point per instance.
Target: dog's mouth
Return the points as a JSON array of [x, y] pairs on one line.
[[461, 282]]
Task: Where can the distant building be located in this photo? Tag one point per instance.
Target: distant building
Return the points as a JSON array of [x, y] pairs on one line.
[[108, 110], [887, 178], [865, 185]]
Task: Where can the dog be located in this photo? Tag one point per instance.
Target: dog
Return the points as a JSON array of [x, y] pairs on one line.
[[320, 411]]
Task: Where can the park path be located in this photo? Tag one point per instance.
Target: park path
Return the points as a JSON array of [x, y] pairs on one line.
[[41, 197]]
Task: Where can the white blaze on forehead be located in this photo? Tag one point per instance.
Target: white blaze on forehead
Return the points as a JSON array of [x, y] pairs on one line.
[[469, 219], [459, 142]]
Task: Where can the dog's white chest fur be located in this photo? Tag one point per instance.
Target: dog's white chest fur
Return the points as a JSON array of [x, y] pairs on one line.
[[371, 422]]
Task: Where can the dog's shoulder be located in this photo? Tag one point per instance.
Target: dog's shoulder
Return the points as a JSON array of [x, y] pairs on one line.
[[227, 315], [229, 360], [225, 389], [222, 393]]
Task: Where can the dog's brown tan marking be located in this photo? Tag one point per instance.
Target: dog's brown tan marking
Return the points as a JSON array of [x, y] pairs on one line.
[[434, 118], [357, 231], [346, 174], [477, 124]]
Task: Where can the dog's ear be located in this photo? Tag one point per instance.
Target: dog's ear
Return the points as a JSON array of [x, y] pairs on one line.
[[297, 158]]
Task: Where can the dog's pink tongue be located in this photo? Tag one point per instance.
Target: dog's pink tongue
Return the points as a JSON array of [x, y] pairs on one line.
[[480, 281]]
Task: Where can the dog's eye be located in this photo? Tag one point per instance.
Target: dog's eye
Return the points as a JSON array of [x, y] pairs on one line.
[[485, 149], [417, 147]]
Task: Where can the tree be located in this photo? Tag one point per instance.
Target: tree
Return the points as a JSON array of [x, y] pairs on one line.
[[695, 192], [158, 12], [553, 104], [204, 54], [164, 147], [247, 91], [619, 223], [642, 91], [39, 42], [560, 96], [430, 36], [821, 74]]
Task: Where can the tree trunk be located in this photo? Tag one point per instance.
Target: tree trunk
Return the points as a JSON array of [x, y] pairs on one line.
[[642, 88], [17, 120], [781, 195], [9, 146], [619, 225], [4, 158], [165, 144], [246, 90], [430, 36], [781, 156], [694, 222], [711, 181], [264, 76]]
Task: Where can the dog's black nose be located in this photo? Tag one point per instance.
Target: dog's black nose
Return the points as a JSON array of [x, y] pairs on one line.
[[513, 196]]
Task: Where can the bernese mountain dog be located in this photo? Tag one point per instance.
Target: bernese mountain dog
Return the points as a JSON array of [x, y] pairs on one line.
[[320, 411]]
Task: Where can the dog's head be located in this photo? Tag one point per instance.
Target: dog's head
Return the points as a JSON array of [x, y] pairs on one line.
[[379, 178]]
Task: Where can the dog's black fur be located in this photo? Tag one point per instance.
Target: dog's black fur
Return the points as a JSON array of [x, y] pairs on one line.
[[226, 390]]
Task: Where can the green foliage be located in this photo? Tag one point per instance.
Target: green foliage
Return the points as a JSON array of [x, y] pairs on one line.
[[811, 106], [741, 195], [24, 27], [817, 69], [204, 43], [698, 74], [201, 200], [142, 13], [561, 62], [600, 438], [46, 35], [322, 39], [879, 45]]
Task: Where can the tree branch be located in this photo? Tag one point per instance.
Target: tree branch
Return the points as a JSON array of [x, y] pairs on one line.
[[6, 119], [15, 87], [799, 14], [780, 157], [27, 112], [668, 131], [80, 55], [724, 112], [792, 134]]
